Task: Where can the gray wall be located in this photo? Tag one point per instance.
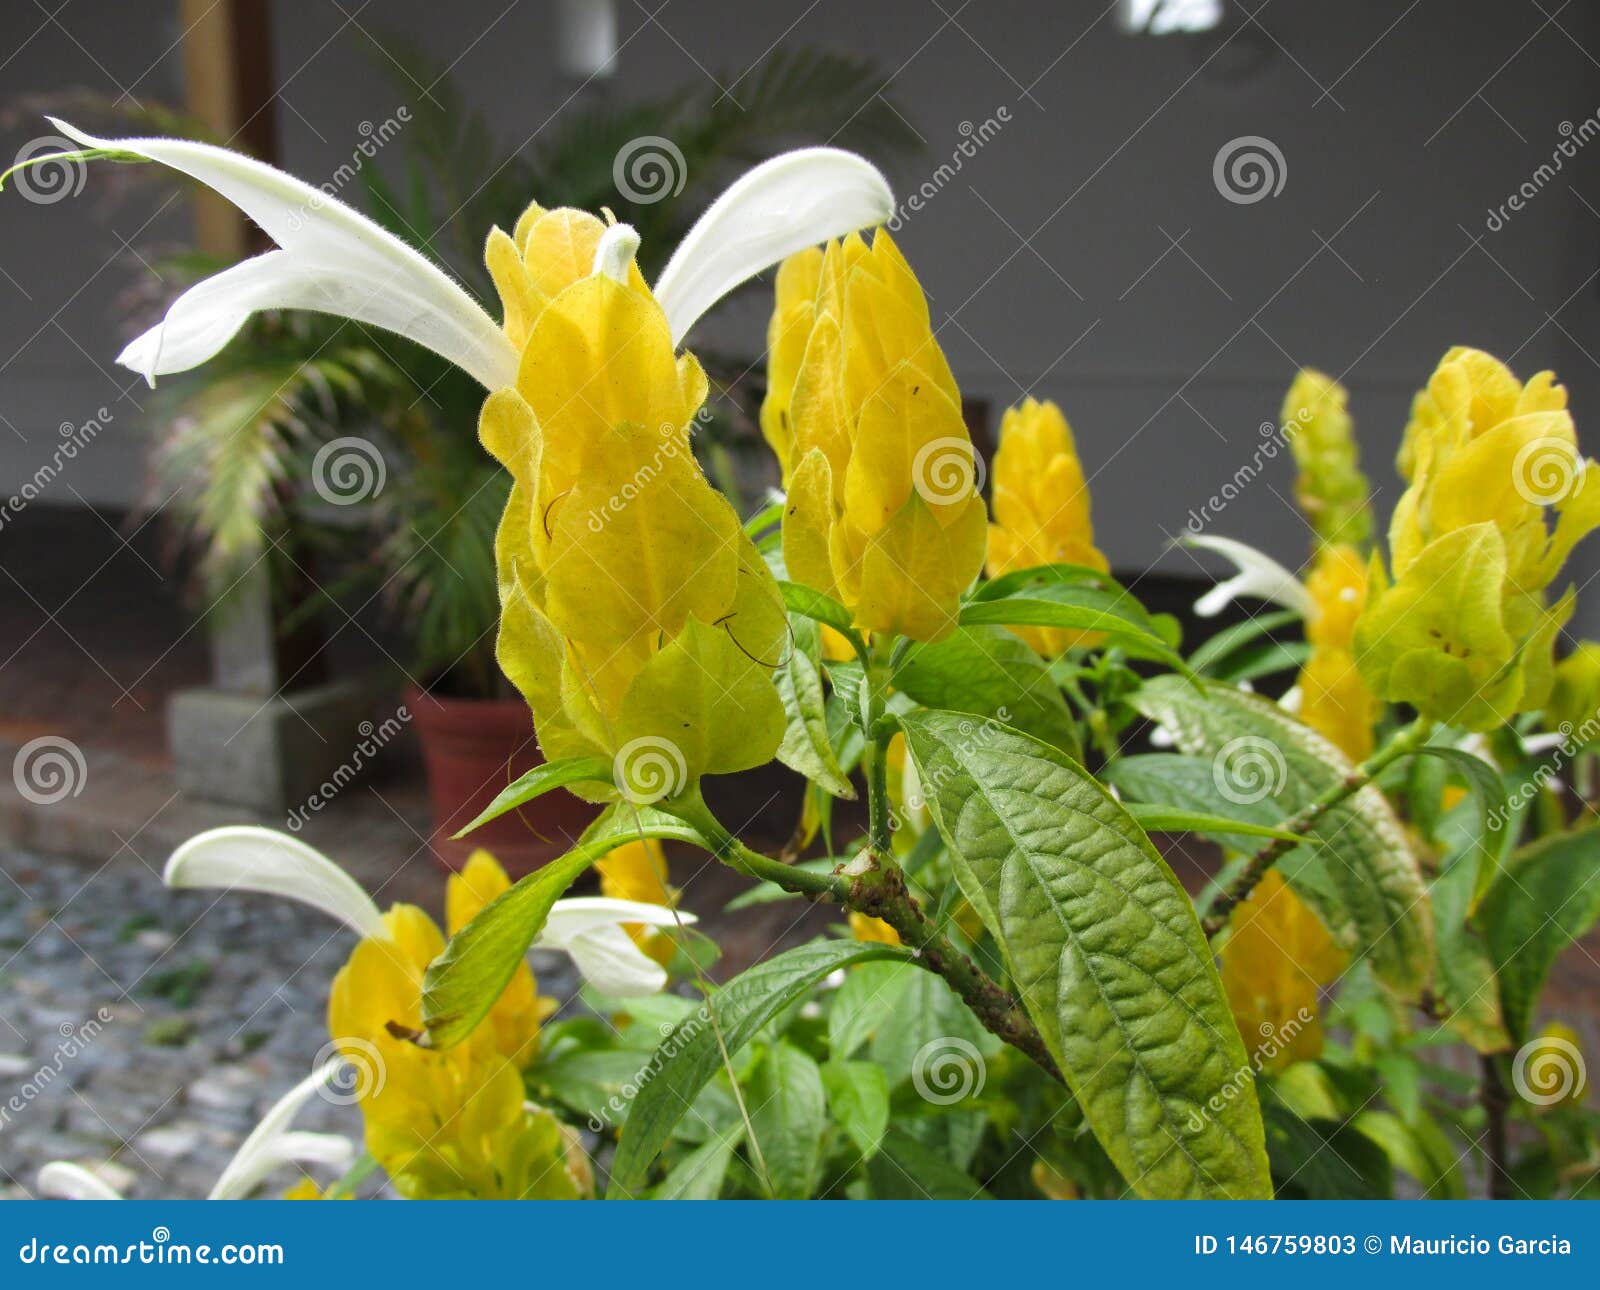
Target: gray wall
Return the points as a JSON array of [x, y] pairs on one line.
[[1049, 255]]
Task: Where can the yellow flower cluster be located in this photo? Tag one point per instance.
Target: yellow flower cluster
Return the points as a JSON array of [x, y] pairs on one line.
[[1041, 508], [1334, 701], [1330, 488], [633, 605], [883, 510], [1464, 633], [1276, 957], [453, 1123]]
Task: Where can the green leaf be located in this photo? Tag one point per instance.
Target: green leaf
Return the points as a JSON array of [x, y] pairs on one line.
[[806, 748], [811, 604], [1415, 1153], [462, 984], [930, 1020], [1077, 609], [1166, 819], [858, 1100], [1547, 895], [788, 1112], [539, 781], [1489, 791], [1212, 654], [990, 672], [1009, 584], [1324, 1159], [869, 996], [1357, 871], [1107, 954], [692, 1052], [904, 1169], [1464, 975], [1172, 781], [700, 1174]]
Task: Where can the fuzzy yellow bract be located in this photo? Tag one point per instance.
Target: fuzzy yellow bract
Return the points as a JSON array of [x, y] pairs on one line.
[[883, 510], [452, 1123], [638, 871], [1275, 958], [1041, 508], [635, 611], [1330, 487], [1463, 632], [864, 927], [1334, 701]]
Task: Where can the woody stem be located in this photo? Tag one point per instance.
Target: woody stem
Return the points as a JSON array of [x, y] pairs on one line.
[[873, 887], [1403, 744]]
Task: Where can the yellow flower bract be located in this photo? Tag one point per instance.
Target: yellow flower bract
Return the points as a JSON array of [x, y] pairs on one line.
[[633, 605], [1041, 508], [883, 512], [1464, 632], [451, 1123]]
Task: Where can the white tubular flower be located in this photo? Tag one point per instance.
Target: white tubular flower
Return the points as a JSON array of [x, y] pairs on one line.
[[1260, 577], [333, 259], [270, 1146], [588, 929]]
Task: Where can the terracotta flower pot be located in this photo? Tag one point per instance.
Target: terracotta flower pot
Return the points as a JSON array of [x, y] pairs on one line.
[[473, 748]]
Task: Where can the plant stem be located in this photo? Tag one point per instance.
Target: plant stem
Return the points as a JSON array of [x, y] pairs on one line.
[[1496, 1101], [1401, 745], [870, 886]]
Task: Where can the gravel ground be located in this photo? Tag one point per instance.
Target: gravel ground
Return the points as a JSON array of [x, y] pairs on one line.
[[143, 1032]]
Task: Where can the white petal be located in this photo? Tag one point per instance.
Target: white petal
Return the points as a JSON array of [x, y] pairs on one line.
[[569, 918], [1259, 576], [615, 252], [1292, 700], [610, 961], [246, 858], [263, 1151], [329, 1150], [61, 1180], [333, 259], [781, 206]]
